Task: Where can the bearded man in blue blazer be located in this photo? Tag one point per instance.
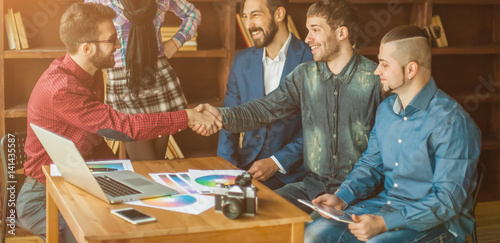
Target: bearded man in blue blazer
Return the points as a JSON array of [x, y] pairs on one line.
[[272, 154]]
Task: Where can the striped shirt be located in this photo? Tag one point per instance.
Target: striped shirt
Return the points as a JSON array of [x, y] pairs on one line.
[[191, 18]]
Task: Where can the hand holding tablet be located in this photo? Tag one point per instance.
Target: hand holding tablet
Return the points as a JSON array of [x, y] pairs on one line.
[[332, 212]]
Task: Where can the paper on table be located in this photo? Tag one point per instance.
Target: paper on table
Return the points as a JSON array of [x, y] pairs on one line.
[[192, 204], [112, 164], [205, 180], [177, 181]]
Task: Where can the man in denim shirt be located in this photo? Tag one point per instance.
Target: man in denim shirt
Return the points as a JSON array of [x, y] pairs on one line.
[[337, 96], [423, 149]]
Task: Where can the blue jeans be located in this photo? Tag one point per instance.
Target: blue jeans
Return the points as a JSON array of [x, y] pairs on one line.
[[329, 230], [294, 191]]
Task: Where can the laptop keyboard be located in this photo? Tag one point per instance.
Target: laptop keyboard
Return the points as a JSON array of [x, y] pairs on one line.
[[115, 188]]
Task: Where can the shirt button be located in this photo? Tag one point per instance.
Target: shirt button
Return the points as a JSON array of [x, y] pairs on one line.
[[335, 157], [388, 202], [159, 136], [335, 93], [334, 114], [257, 137], [396, 185], [400, 141], [334, 135], [397, 164], [179, 130], [405, 118]]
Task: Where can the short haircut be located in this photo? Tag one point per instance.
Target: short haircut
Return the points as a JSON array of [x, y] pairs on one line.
[[273, 5], [413, 44], [337, 13], [79, 23]]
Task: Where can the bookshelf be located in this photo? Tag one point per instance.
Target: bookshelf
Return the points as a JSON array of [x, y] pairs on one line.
[[471, 60]]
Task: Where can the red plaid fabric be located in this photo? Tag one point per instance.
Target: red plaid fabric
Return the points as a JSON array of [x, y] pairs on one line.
[[69, 101]]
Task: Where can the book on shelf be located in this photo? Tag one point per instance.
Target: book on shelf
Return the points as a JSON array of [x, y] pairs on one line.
[[247, 36], [16, 33], [169, 154], [14, 28], [175, 148], [10, 32], [167, 32], [21, 31], [442, 41], [113, 145]]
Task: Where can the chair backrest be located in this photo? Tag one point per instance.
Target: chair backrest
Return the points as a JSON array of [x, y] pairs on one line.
[[13, 159], [13, 156], [481, 169]]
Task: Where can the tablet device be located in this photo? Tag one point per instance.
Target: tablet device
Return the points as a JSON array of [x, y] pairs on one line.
[[332, 212]]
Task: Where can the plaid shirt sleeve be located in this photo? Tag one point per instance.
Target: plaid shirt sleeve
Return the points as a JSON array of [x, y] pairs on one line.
[[91, 115], [191, 18]]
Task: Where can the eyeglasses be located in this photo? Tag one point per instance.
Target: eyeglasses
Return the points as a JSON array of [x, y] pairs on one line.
[[101, 41]]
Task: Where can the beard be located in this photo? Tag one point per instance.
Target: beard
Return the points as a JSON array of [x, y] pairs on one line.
[[268, 36], [102, 60], [329, 55], [387, 90]]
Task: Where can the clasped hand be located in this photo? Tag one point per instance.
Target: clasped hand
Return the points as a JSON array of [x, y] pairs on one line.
[[204, 119]]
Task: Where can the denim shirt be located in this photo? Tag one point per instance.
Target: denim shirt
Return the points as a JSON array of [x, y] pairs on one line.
[[426, 157], [338, 112]]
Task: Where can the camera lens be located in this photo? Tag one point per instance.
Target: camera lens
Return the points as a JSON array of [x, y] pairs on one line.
[[233, 208]]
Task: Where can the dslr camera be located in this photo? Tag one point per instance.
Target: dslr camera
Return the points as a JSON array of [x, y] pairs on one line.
[[237, 199]]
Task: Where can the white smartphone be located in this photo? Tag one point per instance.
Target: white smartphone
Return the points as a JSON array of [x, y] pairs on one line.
[[133, 216], [332, 212]]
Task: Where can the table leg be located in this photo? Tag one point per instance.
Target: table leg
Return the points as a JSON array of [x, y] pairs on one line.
[[52, 227], [298, 233]]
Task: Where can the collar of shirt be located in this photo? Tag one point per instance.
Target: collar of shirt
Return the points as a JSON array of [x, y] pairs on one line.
[[345, 75], [421, 100], [86, 80], [281, 55]]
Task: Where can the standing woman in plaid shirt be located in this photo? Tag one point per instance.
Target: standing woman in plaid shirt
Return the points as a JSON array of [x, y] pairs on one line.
[[142, 80]]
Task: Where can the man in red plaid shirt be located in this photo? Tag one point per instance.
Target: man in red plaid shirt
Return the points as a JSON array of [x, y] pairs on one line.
[[68, 100]]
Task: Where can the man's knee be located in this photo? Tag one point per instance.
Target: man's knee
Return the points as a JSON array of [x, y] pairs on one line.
[[325, 230]]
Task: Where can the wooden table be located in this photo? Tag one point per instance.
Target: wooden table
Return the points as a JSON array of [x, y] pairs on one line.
[[90, 219]]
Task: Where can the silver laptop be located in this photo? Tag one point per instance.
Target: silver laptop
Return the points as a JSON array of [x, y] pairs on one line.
[[112, 187]]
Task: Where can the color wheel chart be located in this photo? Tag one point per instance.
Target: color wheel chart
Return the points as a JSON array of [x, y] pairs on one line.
[[206, 180], [170, 202], [192, 204], [212, 180]]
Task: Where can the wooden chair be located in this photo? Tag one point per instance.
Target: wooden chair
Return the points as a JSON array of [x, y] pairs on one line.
[[13, 158], [481, 168]]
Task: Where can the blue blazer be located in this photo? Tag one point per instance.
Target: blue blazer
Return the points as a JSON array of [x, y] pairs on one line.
[[282, 138]]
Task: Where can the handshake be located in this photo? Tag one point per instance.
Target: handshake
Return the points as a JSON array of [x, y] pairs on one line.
[[204, 119]]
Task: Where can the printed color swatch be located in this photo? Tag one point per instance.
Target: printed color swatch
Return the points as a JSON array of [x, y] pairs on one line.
[[170, 201], [212, 180]]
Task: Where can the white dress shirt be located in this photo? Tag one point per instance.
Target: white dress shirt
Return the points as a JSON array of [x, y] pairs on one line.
[[273, 69]]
